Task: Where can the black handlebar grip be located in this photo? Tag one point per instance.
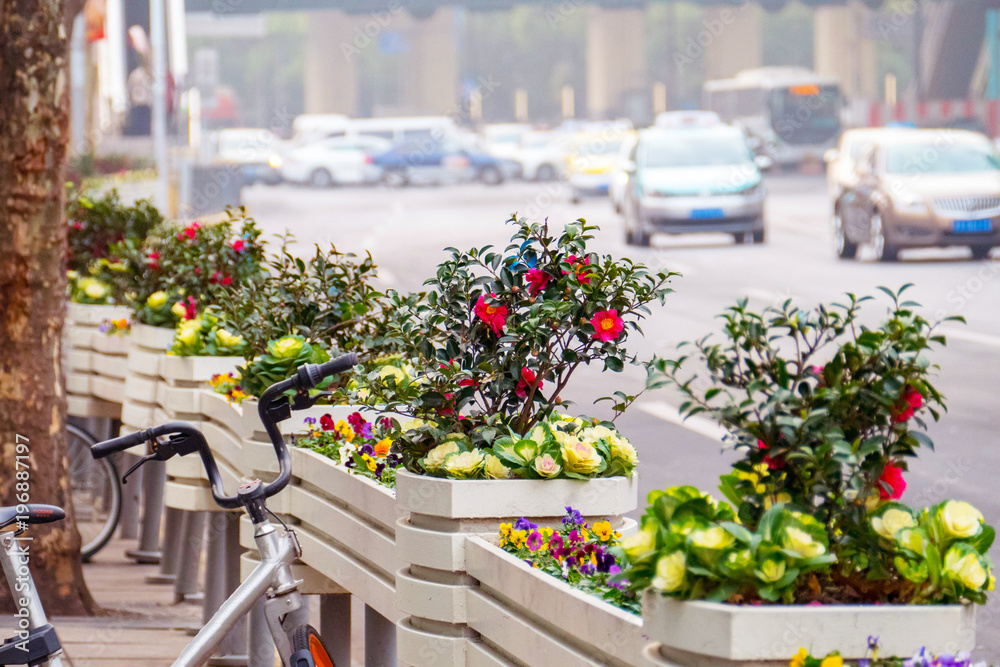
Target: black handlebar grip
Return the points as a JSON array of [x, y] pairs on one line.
[[311, 375], [119, 444]]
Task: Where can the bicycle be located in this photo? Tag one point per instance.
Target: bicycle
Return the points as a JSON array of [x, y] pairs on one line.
[[95, 489], [36, 642], [298, 644]]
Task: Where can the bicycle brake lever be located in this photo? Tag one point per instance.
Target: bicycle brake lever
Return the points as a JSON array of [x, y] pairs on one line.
[[139, 464], [162, 450], [302, 400]]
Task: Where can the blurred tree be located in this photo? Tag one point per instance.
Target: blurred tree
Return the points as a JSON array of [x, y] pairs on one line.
[[34, 133]]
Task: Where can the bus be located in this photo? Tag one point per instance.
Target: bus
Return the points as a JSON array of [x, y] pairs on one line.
[[793, 115]]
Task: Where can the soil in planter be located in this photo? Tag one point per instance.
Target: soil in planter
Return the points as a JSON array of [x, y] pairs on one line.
[[837, 588]]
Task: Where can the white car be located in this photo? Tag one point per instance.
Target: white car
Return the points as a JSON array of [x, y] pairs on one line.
[[336, 161], [620, 174], [543, 155], [501, 140]]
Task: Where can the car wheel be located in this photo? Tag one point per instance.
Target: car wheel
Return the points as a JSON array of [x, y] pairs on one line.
[[395, 178], [574, 196], [760, 236], [845, 249], [640, 236], [884, 251], [320, 178], [545, 172], [981, 251], [490, 175]]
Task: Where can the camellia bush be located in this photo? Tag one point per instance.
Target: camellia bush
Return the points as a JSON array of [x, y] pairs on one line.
[[495, 342], [96, 224], [826, 411], [188, 265]]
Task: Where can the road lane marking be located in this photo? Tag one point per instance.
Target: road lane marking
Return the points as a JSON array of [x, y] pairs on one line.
[[669, 413], [971, 336]]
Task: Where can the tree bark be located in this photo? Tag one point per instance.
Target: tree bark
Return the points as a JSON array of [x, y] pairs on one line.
[[34, 127]]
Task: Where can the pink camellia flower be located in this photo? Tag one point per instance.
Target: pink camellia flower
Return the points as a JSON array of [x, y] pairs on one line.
[[527, 381], [607, 325], [239, 245], [580, 265], [537, 280], [494, 316], [190, 309], [893, 476], [911, 401]]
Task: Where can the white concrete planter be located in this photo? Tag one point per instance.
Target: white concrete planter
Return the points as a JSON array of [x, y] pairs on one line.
[[434, 587], [148, 349], [83, 363], [89, 315], [537, 619], [703, 634]]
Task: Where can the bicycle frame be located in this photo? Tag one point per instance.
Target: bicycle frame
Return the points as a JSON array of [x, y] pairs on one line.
[[13, 560], [271, 579]]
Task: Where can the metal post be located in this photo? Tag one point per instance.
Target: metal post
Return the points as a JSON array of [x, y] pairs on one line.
[[186, 585], [335, 626], [158, 46], [260, 644], [993, 83], [380, 639], [154, 477], [172, 538], [222, 577]]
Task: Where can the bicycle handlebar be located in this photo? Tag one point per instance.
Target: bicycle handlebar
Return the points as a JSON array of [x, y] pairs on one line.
[[186, 439]]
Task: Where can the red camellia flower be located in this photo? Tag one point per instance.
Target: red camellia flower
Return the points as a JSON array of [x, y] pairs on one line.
[[527, 381], [893, 476], [494, 316], [190, 309], [326, 421], [153, 259], [239, 245], [537, 280], [580, 265], [227, 280], [189, 232], [911, 401], [772, 463], [76, 224], [607, 325]]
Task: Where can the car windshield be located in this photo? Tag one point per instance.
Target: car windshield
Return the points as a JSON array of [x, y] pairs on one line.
[[703, 151], [933, 157], [599, 146]]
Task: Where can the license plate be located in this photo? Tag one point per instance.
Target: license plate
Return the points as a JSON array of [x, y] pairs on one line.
[[706, 213], [972, 226]]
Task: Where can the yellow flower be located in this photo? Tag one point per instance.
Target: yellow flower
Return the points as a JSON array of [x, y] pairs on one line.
[[466, 464], [236, 395], [914, 540], [780, 497], [581, 457], [803, 543], [960, 519], [966, 569], [517, 538], [771, 570], [495, 469], [504, 533], [370, 462], [670, 572], [95, 290], [799, 659], [832, 661], [178, 309], [158, 300], [623, 450], [603, 531], [715, 537], [640, 545], [227, 339], [189, 332], [287, 347], [395, 372], [891, 522], [546, 466], [435, 458]]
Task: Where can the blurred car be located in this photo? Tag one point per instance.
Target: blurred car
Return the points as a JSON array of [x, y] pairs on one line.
[[503, 139], [591, 160], [438, 163], [336, 161], [840, 161], [921, 188], [679, 119], [691, 180], [251, 149], [619, 175], [542, 155]]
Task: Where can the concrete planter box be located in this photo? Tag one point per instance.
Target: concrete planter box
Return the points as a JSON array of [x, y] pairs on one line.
[[89, 315], [113, 345], [703, 634], [148, 349], [537, 619], [435, 588]]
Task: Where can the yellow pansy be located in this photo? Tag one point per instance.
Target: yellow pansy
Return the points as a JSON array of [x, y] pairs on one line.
[[832, 661], [799, 659], [603, 531]]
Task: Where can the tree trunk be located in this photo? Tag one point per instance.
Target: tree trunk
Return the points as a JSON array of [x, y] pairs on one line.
[[34, 126]]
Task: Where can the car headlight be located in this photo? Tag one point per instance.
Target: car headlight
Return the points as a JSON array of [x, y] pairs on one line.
[[752, 191], [274, 161], [909, 201]]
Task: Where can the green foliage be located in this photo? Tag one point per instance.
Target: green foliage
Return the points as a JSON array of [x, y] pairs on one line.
[[205, 336], [499, 335], [282, 357], [96, 224]]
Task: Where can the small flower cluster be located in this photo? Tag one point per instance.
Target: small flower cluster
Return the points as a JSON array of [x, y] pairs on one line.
[[580, 554], [228, 385], [88, 290], [691, 547], [560, 447], [163, 309], [922, 658], [119, 327], [361, 446], [204, 336], [941, 549]]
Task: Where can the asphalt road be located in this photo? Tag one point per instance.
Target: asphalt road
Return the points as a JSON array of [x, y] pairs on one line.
[[406, 230]]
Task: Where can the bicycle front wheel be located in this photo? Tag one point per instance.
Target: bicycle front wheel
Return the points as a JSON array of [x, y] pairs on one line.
[[95, 489], [305, 640]]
